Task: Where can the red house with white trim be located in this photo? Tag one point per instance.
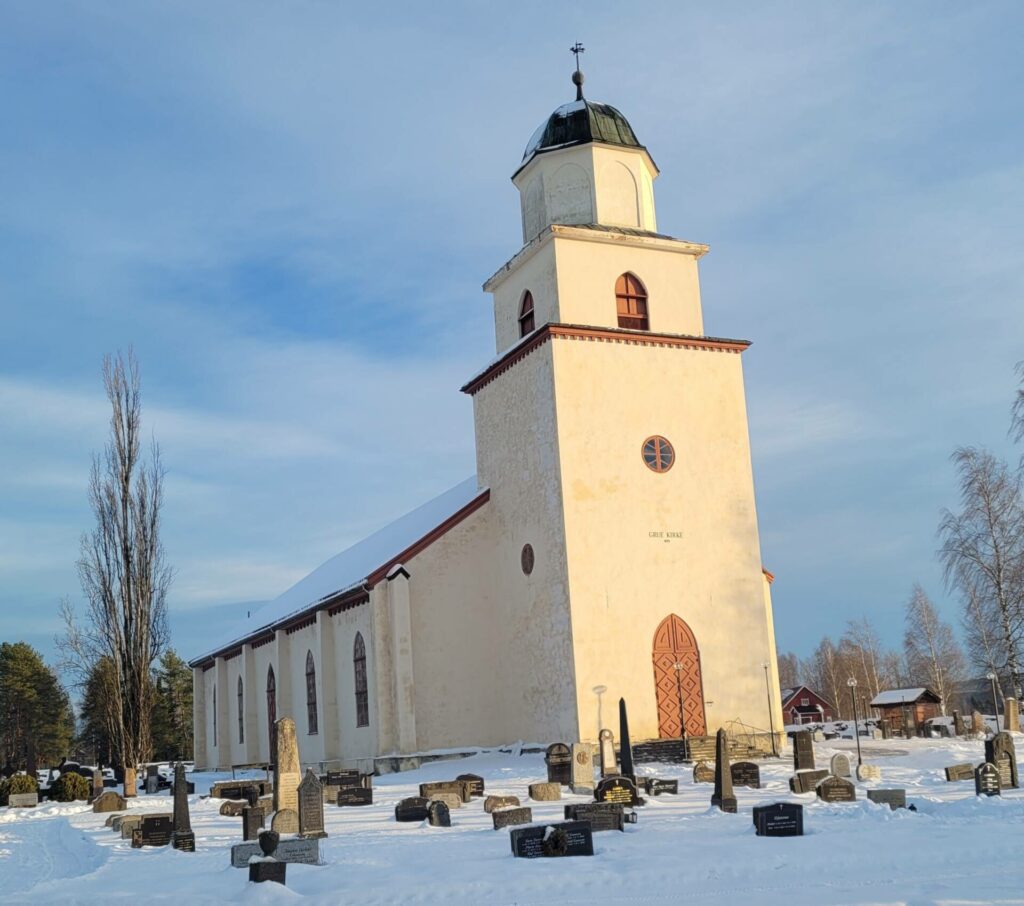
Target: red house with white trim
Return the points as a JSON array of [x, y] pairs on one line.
[[804, 706]]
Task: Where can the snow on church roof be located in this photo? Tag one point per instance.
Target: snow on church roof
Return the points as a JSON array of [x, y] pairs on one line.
[[352, 567]]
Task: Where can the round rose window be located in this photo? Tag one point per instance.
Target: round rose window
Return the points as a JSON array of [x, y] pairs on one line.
[[658, 454]]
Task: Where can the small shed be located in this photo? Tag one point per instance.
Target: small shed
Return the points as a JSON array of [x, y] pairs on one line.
[[906, 710], [804, 706]]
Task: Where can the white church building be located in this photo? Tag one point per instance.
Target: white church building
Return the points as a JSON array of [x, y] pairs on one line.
[[607, 545]]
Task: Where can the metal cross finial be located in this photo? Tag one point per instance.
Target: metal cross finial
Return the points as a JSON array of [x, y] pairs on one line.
[[577, 49], [577, 76]]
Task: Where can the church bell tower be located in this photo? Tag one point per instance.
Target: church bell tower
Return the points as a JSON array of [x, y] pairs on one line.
[[612, 433]]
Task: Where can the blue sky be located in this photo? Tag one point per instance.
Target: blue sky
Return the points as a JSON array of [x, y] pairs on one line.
[[288, 210]]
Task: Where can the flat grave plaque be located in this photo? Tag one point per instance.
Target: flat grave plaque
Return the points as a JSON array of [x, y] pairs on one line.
[[23, 800], [963, 771], [836, 789], [475, 781], [656, 787], [703, 773], [893, 798], [495, 802], [780, 819], [558, 759], [354, 795], [746, 773], [617, 789], [986, 780], [601, 816], [570, 838], [507, 817], [301, 850], [415, 808]]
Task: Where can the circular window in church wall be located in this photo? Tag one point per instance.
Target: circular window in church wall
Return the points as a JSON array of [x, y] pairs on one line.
[[526, 558], [658, 454]]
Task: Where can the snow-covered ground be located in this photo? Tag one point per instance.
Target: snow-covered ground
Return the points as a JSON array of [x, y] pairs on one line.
[[955, 849]]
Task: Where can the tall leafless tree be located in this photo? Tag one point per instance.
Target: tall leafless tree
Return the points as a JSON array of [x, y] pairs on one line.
[[932, 652], [122, 570], [789, 670], [862, 650], [983, 555]]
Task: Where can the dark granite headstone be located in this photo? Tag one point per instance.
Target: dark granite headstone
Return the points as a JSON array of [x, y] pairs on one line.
[[836, 789], [569, 838], [893, 798], [601, 816], [344, 778], [723, 796], [780, 819], [656, 787], [311, 806], [558, 759], [625, 746], [438, 815], [415, 808], [1000, 751], [182, 837], [986, 780], [507, 817], [268, 868], [355, 795], [803, 751], [153, 830], [746, 773], [475, 781], [252, 822], [963, 771], [703, 773], [806, 781], [621, 790]]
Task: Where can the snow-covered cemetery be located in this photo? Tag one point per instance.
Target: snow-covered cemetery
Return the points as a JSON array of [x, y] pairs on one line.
[[643, 575]]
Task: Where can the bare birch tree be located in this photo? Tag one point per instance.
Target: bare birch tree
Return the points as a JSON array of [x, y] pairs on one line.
[[863, 649], [123, 573], [983, 555], [933, 655]]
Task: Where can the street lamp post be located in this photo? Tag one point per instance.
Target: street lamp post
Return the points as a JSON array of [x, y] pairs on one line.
[[995, 702], [852, 683], [771, 717]]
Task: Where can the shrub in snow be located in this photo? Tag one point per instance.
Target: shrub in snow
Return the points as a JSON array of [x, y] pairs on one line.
[[19, 783], [69, 787]]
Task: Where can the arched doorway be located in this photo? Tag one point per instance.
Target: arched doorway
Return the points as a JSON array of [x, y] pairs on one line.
[[271, 709], [677, 680]]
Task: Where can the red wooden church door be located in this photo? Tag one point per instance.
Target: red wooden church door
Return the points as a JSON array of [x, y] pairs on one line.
[[677, 681]]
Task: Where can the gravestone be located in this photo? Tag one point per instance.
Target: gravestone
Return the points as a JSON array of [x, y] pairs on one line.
[[986, 780], [152, 779], [128, 824], [836, 789], [625, 746], [619, 789], [96, 790], [886, 731], [977, 723], [570, 838], [558, 759], [703, 773], [545, 792], [460, 788], [452, 800], [780, 819], [723, 796], [840, 765], [438, 814], [267, 867], [806, 781], [962, 771], [301, 850], [23, 800], [609, 765], [746, 773], [1011, 716], [344, 778], [491, 803], [893, 798], [238, 789], [311, 806], [656, 787], [182, 837], [109, 802], [1000, 751], [958, 724], [475, 781], [285, 821], [354, 795], [601, 816], [866, 772], [415, 808], [582, 780], [252, 822], [507, 817], [803, 751], [153, 830], [232, 808], [287, 770]]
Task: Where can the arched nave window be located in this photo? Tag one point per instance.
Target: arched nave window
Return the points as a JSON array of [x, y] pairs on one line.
[[311, 693], [271, 709], [241, 714], [215, 715], [631, 302], [526, 319], [362, 695]]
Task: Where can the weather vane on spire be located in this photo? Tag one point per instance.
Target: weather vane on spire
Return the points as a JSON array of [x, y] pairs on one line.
[[577, 76]]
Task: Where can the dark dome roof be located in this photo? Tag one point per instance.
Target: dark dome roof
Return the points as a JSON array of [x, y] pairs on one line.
[[580, 122]]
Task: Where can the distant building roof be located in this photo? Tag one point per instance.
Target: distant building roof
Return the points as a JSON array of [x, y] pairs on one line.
[[903, 696], [789, 694]]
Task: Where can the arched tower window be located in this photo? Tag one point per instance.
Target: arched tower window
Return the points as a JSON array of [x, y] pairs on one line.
[[215, 715], [526, 319], [241, 714], [631, 302], [311, 694], [271, 709], [362, 695]]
